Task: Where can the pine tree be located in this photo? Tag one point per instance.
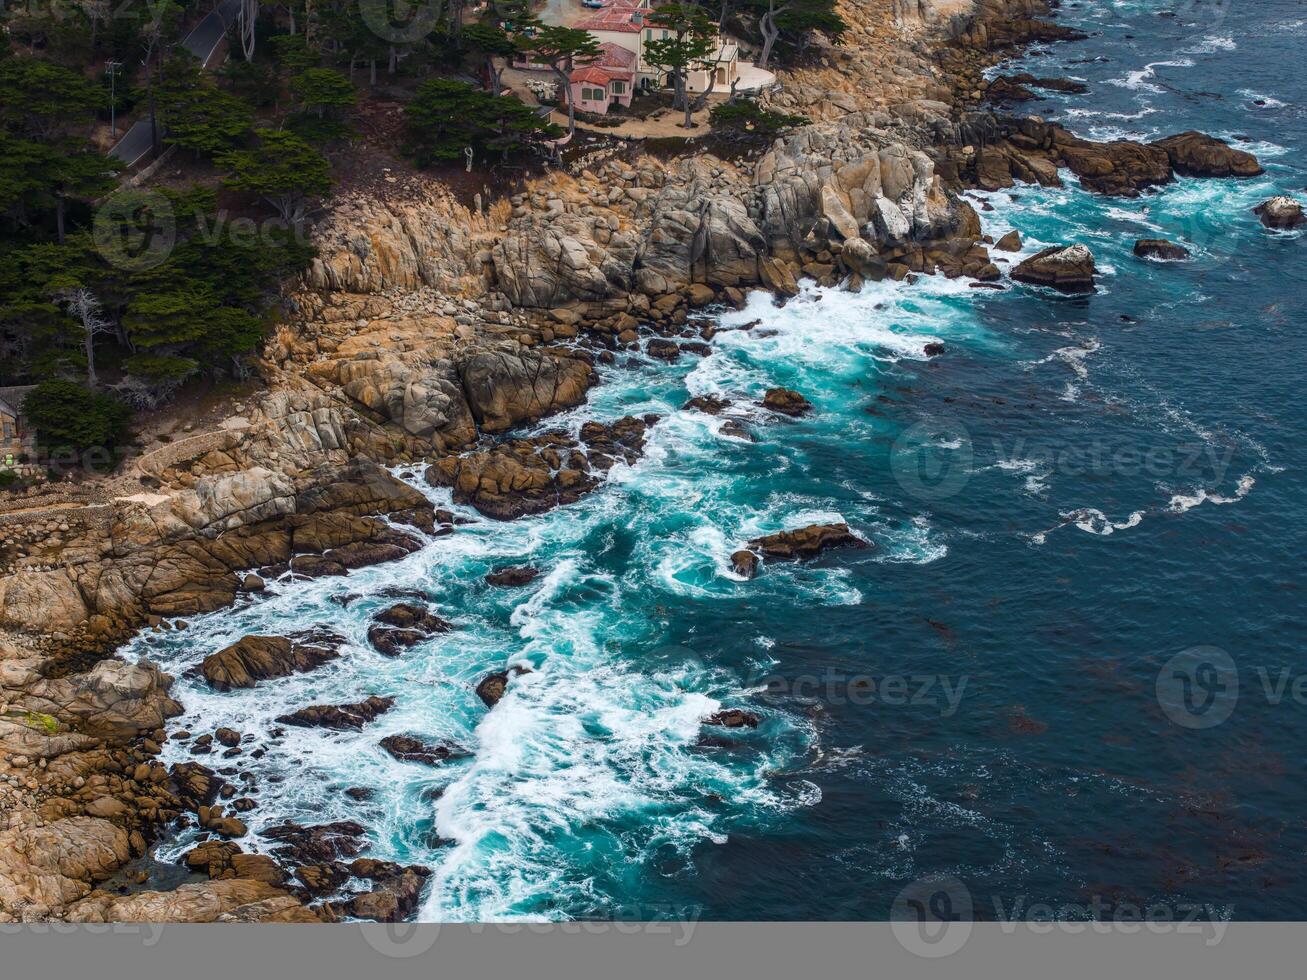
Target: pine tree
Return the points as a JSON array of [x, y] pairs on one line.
[[283, 170]]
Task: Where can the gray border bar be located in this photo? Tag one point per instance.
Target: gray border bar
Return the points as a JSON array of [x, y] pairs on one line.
[[634, 951]]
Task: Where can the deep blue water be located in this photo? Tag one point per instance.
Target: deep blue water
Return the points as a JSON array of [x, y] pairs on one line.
[[1075, 493]]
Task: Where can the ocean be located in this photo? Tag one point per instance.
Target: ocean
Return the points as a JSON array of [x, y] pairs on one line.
[[1070, 670]]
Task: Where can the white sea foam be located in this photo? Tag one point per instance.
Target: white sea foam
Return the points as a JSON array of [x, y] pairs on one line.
[[1211, 44], [1261, 100], [1180, 503], [1141, 80]]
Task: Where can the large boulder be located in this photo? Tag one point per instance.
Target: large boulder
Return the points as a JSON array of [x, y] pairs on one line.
[[1067, 268], [1194, 154], [259, 658], [786, 401], [112, 698], [490, 689], [1159, 248], [1281, 212], [505, 387], [42, 868]]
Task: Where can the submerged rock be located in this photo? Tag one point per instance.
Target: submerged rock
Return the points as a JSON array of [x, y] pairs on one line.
[[806, 542], [512, 576], [1159, 248], [708, 404], [406, 748], [1067, 268], [664, 350], [732, 718], [318, 843]]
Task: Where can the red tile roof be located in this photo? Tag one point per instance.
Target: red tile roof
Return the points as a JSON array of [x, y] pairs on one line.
[[615, 56], [596, 75], [625, 17]]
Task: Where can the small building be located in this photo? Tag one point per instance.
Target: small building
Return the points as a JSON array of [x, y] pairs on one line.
[[610, 79], [16, 440], [623, 24]]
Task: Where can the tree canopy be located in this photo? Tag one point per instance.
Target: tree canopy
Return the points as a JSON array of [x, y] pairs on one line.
[[282, 169], [445, 116]]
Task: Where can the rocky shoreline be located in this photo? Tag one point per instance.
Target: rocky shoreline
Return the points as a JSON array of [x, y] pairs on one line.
[[426, 333]]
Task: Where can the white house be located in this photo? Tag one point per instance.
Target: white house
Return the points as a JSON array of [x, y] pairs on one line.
[[624, 23]]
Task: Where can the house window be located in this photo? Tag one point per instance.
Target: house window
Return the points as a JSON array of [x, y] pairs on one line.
[[592, 94], [618, 88]]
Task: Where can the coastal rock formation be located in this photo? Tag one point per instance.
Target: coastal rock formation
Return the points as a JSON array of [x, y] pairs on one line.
[[423, 326], [1281, 212], [397, 890], [230, 900], [406, 748], [1158, 248], [490, 689], [806, 542], [1066, 268], [260, 658], [786, 402], [339, 716], [1199, 155], [992, 153], [405, 625], [732, 718], [530, 476], [513, 576]]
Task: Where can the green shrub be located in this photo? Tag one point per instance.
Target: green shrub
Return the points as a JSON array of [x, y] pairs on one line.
[[747, 116], [67, 416]]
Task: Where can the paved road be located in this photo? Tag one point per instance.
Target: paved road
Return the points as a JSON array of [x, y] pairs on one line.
[[202, 42]]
